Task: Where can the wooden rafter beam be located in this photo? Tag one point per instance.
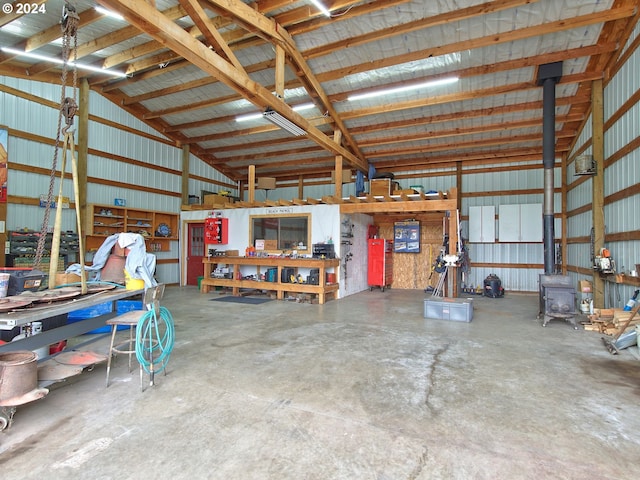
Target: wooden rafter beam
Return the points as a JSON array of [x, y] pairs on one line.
[[281, 37], [152, 22], [210, 32]]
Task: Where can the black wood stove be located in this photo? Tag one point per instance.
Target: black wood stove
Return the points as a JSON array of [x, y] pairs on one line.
[[557, 299]]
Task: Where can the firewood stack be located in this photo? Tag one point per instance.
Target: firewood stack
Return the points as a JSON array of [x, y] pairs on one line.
[[609, 320]]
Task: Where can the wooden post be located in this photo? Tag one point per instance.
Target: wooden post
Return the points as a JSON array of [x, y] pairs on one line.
[[252, 183], [597, 183], [185, 174], [279, 71], [4, 164], [83, 150], [337, 137]]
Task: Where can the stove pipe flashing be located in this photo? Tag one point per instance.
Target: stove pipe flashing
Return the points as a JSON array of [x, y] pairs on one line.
[[548, 75]]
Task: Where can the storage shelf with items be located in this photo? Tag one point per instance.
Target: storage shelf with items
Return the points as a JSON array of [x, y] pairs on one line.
[[158, 228], [23, 245]]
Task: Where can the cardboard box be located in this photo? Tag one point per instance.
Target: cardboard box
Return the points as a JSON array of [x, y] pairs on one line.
[[380, 186], [214, 199], [270, 245], [585, 286]]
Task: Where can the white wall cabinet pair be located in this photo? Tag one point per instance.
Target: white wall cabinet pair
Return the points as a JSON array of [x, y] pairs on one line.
[[517, 223]]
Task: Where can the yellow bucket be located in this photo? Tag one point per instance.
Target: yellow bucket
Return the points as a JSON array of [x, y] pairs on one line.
[[132, 283]]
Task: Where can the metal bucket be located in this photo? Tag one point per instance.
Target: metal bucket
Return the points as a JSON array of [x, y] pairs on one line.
[[585, 165], [18, 375]]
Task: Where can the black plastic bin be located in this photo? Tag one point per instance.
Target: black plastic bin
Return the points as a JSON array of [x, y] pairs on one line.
[[23, 280]]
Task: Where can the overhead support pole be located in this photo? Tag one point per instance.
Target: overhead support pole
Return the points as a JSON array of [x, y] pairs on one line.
[[185, 174], [337, 137], [548, 75], [251, 183], [83, 147], [279, 71], [597, 184]]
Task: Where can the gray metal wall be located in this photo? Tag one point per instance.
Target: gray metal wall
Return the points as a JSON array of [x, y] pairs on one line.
[[622, 215], [23, 116]]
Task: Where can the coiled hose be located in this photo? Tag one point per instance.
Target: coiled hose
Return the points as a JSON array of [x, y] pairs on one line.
[[154, 340]]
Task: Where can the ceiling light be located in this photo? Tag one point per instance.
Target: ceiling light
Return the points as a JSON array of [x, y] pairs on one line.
[[60, 62], [255, 116], [13, 27], [277, 119], [377, 93], [321, 7], [109, 13]]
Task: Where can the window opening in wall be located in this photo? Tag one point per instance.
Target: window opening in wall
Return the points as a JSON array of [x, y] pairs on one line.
[[281, 232]]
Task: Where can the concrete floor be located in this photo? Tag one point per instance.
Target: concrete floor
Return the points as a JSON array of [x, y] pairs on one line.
[[360, 388]]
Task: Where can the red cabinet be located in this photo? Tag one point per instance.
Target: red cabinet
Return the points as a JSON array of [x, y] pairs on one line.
[[216, 230], [380, 265]]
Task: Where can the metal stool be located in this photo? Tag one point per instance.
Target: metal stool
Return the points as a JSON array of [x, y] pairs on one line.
[[150, 301]]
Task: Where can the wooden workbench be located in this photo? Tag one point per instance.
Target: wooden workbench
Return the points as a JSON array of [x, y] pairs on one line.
[[237, 282]]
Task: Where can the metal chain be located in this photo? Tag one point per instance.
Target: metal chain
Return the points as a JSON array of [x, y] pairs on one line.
[[68, 108]]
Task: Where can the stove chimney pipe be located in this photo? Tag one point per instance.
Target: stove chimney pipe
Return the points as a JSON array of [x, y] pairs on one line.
[[548, 75]]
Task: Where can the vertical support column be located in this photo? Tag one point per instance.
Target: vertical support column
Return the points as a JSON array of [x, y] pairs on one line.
[[83, 149], [185, 174], [4, 159], [459, 185], [300, 186], [597, 184], [279, 71], [251, 183], [337, 137]]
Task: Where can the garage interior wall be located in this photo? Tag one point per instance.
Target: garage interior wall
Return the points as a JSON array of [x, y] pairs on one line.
[[621, 101], [129, 160]]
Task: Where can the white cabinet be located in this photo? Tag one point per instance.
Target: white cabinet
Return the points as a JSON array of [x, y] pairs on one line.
[[482, 224], [520, 223]]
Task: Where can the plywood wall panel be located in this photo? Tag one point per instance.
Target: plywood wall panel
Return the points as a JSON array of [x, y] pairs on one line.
[[412, 270]]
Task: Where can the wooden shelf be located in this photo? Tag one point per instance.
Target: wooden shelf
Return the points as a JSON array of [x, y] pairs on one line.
[[323, 289], [106, 220]]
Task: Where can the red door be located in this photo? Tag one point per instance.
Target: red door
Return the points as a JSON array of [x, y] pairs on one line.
[[195, 252]]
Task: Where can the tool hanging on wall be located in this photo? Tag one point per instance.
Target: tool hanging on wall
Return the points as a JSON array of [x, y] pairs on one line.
[[68, 109]]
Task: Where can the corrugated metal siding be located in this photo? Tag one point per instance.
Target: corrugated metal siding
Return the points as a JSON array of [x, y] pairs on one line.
[[620, 216], [33, 118]]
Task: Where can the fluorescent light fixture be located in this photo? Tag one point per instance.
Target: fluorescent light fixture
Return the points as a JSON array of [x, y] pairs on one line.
[[255, 116], [377, 93], [248, 116], [321, 7], [303, 106], [109, 13], [59, 61], [277, 119]]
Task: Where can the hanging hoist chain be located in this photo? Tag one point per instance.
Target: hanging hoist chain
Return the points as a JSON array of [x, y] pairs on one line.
[[68, 108]]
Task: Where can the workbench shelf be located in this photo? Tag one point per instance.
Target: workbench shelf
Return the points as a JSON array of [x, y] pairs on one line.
[[262, 264]]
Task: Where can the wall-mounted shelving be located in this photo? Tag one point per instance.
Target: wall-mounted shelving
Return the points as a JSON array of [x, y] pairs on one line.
[[158, 228]]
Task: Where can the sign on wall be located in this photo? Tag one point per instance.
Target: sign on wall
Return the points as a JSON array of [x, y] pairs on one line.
[[406, 237]]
